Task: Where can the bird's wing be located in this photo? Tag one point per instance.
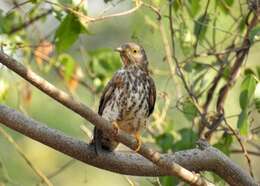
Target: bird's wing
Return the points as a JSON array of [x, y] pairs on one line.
[[152, 96], [107, 94], [114, 83]]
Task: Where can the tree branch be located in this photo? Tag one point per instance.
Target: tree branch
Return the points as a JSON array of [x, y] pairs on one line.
[[99, 122], [29, 22], [204, 158]]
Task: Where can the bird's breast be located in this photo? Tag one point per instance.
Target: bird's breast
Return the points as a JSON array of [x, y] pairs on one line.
[[133, 97]]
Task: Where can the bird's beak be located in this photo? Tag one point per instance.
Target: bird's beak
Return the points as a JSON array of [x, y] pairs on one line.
[[119, 49]]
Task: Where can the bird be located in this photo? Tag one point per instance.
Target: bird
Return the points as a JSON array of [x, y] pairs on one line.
[[128, 99]]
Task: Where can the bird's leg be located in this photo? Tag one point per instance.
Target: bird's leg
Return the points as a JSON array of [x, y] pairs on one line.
[[115, 128], [139, 141]]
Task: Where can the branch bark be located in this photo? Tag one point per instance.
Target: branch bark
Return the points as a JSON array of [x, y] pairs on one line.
[[204, 158], [99, 122]]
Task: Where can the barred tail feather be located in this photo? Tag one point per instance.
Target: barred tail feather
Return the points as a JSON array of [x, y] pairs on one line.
[[101, 141]]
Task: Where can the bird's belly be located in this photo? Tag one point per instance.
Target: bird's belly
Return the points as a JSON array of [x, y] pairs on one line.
[[129, 109], [133, 111]]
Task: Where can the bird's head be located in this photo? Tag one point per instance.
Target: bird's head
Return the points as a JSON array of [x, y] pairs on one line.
[[133, 55]]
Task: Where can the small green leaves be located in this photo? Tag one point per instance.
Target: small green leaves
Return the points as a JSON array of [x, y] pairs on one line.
[[224, 143], [257, 104], [187, 141], [201, 25], [165, 141], [193, 7], [186, 38], [103, 63], [254, 34], [8, 21], [189, 110], [176, 5], [224, 5], [3, 90], [169, 180], [247, 90], [65, 1], [243, 123], [69, 65], [35, 1], [195, 66], [68, 32]]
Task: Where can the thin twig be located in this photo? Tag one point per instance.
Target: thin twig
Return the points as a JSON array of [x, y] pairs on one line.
[[99, 122], [203, 158], [249, 152], [242, 147], [22, 154], [29, 22], [89, 19], [130, 181], [179, 70], [200, 27], [240, 56], [61, 169]]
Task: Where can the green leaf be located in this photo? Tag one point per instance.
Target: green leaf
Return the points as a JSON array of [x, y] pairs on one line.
[[257, 104], [195, 66], [65, 1], [243, 123], [69, 65], [249, 71], [201, 25], [189, 110], [242, 24], [258, 72], [106, 1], [187, 141], [186, 38], [35, 1], [224, 143], [254, 34], [104, 61], [176, 5], [169, 180], [247, 91], [165, 141], [224, 5], [226, 72], [4, 87], [8, 21], [68, 32], [193, 7]]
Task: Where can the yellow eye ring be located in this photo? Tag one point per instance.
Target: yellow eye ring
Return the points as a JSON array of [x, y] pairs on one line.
[[134, 51]]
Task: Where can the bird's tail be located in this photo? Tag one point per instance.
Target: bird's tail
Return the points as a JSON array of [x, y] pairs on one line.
[[102, 141]]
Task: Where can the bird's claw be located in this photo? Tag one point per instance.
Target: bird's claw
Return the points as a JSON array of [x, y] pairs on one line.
[[139, 142], [115, 128]]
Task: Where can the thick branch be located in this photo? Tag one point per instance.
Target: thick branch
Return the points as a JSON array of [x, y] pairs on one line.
[[99, 122], [205, 158]]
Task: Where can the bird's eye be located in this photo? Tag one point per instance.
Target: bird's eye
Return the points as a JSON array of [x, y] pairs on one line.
[[134, 51]]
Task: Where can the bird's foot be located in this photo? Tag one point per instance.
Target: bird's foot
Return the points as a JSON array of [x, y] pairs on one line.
[[139, 141], [115, 128]]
